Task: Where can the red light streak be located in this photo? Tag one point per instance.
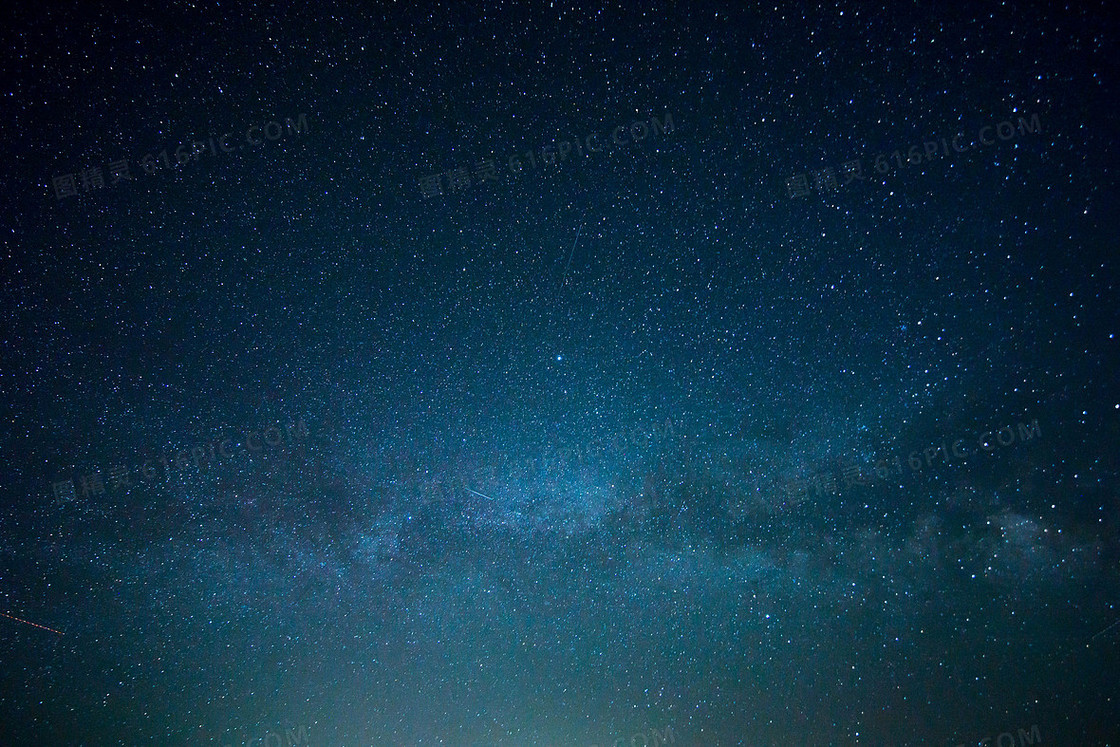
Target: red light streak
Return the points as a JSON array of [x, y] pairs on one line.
[[34, 625]]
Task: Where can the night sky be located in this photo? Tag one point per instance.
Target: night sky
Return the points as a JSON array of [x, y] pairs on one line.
[[505, 373]]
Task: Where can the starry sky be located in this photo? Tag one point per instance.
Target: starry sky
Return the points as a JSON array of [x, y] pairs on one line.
[[530, 373]]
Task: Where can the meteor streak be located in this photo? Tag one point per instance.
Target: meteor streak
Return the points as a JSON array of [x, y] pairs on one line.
[[564, 278], [1110, 627], [34, 625]]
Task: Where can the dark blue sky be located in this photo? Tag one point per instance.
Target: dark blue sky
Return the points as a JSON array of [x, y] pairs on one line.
[[532, 374]]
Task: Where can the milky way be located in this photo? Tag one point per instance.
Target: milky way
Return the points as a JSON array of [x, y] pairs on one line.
[[448, 373]]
